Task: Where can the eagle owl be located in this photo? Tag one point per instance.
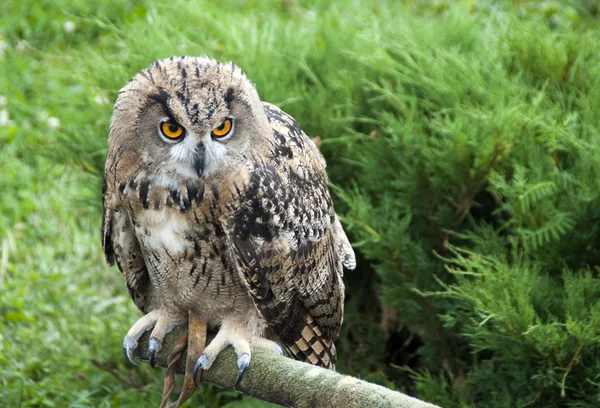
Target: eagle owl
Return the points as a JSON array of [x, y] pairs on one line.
[[217, 202]]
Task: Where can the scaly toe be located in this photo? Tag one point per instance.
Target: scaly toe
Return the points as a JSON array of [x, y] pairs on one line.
[[128, 346], [242, 363], [204, 362], [278, 350]]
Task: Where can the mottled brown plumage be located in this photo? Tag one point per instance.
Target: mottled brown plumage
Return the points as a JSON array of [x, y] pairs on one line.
[[241, 228]]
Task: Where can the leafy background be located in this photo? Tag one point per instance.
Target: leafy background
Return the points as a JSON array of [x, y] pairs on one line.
[[463, 149]]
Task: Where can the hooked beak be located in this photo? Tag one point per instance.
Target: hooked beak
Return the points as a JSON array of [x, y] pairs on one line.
[[199, 159]]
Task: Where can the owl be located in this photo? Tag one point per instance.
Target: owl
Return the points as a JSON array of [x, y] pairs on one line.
[[216, 202]]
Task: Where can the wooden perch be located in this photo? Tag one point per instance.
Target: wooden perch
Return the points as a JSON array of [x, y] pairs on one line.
[[287, 382]]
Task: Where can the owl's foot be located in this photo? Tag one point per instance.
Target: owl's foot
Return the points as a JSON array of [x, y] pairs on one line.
[[231, 336], [161, 321]]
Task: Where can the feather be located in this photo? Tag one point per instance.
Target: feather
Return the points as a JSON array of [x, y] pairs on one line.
[[289, 247]]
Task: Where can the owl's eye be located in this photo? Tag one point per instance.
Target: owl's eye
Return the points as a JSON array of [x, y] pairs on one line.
[[223, 130], [172, 130]]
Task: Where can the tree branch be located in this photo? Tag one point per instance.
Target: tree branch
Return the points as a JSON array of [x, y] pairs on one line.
[[287, 382]]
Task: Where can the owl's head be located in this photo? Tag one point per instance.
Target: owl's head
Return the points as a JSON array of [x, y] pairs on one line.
[[186, 117]]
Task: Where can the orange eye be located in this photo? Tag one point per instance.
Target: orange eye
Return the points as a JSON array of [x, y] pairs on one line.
[[171, 130], [222, 130]]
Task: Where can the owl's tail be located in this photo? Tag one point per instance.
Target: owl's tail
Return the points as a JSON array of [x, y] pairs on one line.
[[311, 347]]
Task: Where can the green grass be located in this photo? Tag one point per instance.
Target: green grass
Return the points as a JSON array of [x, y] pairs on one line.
[[379, 82]]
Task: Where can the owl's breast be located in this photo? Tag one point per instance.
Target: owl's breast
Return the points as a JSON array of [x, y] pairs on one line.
[[189, 263], [162, 229], [166, 241]]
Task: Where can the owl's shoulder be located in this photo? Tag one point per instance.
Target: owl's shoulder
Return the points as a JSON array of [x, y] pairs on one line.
[[289, 142]]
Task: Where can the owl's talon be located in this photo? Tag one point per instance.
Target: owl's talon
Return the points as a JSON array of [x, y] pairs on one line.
[[154, 347], [203, 363], [128, 347], [161, 323], [278, 350], [195, 374], [242, 362]]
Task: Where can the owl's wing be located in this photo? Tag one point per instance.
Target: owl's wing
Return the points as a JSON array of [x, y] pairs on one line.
[[120, 245], [289, 247]]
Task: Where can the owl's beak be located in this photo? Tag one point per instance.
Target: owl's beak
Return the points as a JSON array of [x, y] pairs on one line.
[[199, 159]]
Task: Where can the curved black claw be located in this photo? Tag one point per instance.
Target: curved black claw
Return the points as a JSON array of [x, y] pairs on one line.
[[128, 347], [200, 364], [153, 347], [151, 355], [243, 362]]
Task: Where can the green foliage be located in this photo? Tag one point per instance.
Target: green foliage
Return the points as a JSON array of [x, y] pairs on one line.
[[463, 148]]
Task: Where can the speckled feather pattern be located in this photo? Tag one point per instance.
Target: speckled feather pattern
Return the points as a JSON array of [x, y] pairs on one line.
[[256, 240]]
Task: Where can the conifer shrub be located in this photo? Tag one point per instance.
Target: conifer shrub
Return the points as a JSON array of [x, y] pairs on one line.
[[475, 201]]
